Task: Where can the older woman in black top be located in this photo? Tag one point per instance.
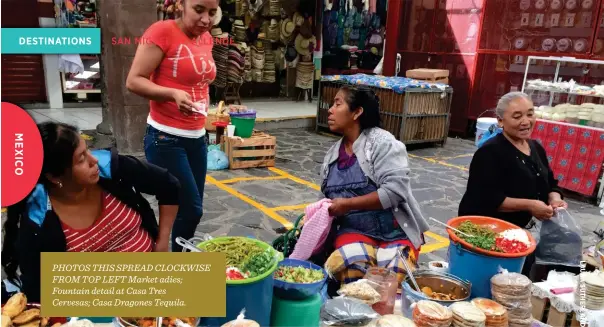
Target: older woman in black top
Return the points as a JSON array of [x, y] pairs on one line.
[[510, 177]]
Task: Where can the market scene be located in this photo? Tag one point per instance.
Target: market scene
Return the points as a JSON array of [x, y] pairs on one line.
[[368, 163]]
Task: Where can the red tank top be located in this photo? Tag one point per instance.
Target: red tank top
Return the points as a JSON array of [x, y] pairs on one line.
[[118, 229]]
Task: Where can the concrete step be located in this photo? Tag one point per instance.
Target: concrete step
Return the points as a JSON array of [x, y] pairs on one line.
[[271, 124]]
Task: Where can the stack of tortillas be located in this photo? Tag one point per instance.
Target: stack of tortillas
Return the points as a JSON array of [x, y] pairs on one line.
[[465, 314], [431, 314], [497, 315], [513, 291], [590, 290]]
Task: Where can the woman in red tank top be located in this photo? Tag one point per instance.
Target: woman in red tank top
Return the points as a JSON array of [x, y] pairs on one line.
[[173, 68]]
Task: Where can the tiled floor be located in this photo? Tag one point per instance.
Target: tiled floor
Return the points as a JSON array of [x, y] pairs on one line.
[[89, 118]]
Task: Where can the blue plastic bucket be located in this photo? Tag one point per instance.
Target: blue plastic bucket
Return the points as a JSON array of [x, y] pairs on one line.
[[478, 269], [254, 294]]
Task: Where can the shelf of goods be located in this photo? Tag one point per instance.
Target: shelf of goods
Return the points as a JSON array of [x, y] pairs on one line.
[[572, 126], [413, 111], [485, 45]]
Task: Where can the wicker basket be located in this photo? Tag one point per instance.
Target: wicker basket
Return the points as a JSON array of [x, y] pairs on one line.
[[214, 117]]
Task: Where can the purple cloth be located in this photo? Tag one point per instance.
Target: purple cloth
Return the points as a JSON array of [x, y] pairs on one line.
[[345, 160]]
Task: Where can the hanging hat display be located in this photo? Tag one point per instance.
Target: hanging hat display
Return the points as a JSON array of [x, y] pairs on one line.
[[290, 53], [274, 8], [304, 75], [287, 29], [239, 30], [298, 19], [304, 46], [272, 32]]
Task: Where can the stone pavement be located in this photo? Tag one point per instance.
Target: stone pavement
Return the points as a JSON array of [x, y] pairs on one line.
[[259, 202]]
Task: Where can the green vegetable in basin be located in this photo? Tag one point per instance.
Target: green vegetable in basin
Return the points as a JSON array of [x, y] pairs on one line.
[[298, 275]]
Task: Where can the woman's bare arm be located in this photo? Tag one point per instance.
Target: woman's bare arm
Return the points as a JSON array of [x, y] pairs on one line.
[[146, 60]]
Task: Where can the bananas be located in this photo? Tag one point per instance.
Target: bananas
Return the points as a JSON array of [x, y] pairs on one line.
[[14, 313]]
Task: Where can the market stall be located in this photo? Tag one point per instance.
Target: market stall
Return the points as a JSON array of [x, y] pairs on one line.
[[413, 111]]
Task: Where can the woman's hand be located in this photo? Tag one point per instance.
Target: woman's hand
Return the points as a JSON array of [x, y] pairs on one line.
[[339, 207], [161, 245], [541, 210], [558, 204], [183, 101]]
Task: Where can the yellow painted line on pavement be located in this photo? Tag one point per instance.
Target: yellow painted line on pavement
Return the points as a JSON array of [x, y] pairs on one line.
[[249, 201], [457, 157], [290, 208], [439, 162], [246, 179], [440, 243], [295, 179]]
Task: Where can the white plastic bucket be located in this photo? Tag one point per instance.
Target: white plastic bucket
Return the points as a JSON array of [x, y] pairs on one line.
[[482, 126]]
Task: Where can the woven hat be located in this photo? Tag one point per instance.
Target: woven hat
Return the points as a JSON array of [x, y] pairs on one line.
[[304, 75], [273, 30], [217, 16], [218, 33], [287, 29], [239, 30], [298, 19], [274, 7], [304, 46]]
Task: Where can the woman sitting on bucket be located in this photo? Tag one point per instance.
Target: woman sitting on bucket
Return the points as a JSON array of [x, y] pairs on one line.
[[85, 202], [366, 175]]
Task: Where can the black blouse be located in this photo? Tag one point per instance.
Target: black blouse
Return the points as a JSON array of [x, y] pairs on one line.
[[499, 170]]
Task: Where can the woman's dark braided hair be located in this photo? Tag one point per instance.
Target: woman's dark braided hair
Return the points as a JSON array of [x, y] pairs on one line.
[[59, 142], [366, 98]]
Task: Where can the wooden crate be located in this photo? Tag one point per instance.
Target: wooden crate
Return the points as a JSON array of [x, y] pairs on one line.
[[256, 151], [424, 129], [542, 310], [429, 75]]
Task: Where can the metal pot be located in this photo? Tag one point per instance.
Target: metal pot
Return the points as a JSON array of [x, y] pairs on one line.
[[439, 282]]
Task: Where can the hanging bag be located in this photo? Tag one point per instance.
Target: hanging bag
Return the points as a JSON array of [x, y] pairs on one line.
[[560, 241]]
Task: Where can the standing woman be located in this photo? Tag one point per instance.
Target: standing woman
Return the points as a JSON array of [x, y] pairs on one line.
[[173, 68], [510, 177]]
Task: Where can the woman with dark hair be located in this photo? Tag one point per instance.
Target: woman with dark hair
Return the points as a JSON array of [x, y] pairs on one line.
[[173, 69], [85, 202], [366, 176]]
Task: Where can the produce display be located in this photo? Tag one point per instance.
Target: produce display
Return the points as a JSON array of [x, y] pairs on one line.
[[244, 257], [509, 241], [152, 321], [16, 312], [298, 275]]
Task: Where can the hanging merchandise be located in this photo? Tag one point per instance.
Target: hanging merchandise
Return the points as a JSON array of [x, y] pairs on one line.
[[304, 75], [287, 30], [71, 63], [220, 53], [255, 6], [304, 46]]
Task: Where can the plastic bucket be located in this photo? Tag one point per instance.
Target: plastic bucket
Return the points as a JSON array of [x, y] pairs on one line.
[[482, 126], [253, 294], [244, 123], [478, 269]]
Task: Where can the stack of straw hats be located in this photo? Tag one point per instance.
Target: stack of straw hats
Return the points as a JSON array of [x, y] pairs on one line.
[[590, 290], [274, 7], [268, 73], [431, 314], [465, 314], [258, 59], [273, 30], [220, 54], [236, 63], [239, 30], [497, 315], [513, 291], [247, 69]]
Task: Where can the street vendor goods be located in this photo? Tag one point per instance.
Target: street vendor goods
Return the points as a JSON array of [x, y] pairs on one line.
[[465, 314], [431, 314], [508, 241], [496, 314], [298, 275], [244, 257], [513, 291], [438, 296], [590, 290], [342, 311], [152, 321], [392, 321], [362, 290], [17, 313]]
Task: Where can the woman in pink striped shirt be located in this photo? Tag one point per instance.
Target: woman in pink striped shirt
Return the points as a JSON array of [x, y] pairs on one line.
[[86, 201]]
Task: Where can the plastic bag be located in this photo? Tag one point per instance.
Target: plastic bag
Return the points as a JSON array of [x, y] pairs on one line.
[[560, 241], [489, 134], [346, 311], [392, 321], [241, 321], [217, 160], [363, 290]]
